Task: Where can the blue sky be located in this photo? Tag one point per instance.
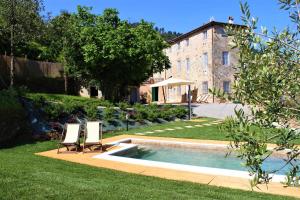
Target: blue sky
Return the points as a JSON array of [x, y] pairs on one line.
[[179, 15]]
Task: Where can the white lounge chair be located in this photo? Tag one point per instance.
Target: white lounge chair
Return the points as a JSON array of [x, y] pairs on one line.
[[93, 135], [202, 98], [71, 132], [199, 99]]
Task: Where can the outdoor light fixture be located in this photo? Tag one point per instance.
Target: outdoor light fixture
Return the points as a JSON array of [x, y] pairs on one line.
[[127, 118]]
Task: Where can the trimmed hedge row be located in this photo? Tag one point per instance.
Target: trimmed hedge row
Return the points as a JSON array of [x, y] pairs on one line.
[[56, 106]]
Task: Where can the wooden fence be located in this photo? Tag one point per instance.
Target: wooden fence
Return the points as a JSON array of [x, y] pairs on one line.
[[36, 75], [30, 68]]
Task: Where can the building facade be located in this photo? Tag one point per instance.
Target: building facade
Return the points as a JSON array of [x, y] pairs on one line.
[[203, 56]]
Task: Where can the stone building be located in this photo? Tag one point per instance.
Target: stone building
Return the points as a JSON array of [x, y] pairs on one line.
[[203, 56]]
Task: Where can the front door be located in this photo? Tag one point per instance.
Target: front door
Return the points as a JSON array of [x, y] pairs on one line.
[[155, 94]]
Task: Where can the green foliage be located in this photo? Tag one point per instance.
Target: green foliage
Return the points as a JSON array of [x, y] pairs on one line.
[[219, 94], [179, 111], [123, 105], [141, 112], [23, 17], [167, 35], [110, 53], [109, 113], [267, 77], [57, 105], [12, 116], [153, 111]]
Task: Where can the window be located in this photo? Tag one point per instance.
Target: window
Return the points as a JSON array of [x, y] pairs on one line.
[[179, 91], [187, 42], [204, 35], [205, 63], [188, 67], [178, 46], [226, 86], [178, 66], [225, 58], [221, 31], [205, 87]]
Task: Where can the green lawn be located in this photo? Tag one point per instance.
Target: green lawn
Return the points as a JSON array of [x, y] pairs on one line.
[[28, 176], [207, 132], [213, 132]]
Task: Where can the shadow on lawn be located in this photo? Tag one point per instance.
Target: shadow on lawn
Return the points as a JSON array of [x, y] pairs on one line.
[[19, 141]]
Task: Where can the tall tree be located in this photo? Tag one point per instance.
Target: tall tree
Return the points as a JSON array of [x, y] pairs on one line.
[[20, 20], [112, 54], [268, 78]]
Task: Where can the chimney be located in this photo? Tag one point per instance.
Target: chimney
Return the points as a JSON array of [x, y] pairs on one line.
[[230, 20]]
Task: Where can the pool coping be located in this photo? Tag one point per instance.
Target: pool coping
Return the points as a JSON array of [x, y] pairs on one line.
[[172, 174], [123, 146]]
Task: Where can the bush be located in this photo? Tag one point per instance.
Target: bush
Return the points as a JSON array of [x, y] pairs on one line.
[[109, 113], [123, 105], [152, 112], [179, 111], [53, 110], [56, 105], [12, 115], [141, 112]]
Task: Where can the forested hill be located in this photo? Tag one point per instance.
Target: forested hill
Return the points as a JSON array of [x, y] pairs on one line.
[[168, 35]]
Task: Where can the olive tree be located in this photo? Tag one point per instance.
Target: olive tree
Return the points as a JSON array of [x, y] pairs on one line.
[[267, 79]]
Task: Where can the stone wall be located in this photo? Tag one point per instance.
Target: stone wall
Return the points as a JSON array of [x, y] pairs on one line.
[[194, 49], [222, 72]]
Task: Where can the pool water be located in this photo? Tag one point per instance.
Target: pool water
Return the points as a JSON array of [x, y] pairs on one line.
[[197, 157]]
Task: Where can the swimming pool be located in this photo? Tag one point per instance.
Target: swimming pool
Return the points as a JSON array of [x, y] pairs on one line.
[[185, 156]]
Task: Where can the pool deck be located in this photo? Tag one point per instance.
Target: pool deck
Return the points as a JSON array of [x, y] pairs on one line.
[[223, 181]]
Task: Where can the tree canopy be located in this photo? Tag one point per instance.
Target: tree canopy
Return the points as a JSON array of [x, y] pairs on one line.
[[24, 17], [110, 53]]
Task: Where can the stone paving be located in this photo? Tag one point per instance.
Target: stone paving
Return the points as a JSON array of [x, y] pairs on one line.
[[180, 128]]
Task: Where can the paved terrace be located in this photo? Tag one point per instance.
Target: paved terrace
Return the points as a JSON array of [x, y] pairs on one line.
[[217, 110]]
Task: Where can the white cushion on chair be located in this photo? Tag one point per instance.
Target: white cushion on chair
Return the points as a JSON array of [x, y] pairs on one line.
[[93, 132], [72, 133]]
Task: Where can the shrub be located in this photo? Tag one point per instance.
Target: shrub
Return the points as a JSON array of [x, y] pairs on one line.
[[92, 112], [54, 110], [141, 112], [179, 111], [123, 105], [12, 115], [109, 113]]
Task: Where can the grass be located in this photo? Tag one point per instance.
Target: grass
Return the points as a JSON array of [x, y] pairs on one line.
[[28, 176], [206, 132], [212, 132]]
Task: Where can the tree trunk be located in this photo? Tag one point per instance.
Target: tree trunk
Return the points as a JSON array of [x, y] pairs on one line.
[[66, 82], [12, 59]]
